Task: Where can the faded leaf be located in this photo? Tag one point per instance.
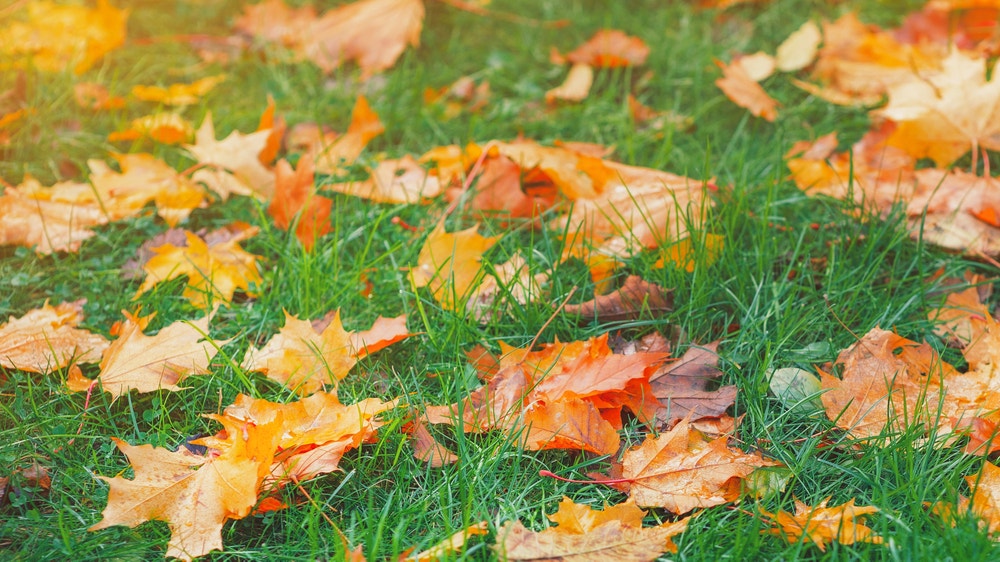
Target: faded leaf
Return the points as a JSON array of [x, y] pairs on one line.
[[233, 165], [799, 49], [744, 92], [46, 339], [576, 86], [610, 48], [635, 297], [178, 94]]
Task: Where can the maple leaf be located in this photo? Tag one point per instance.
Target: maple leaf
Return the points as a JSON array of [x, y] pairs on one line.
[[744, 92], [374, 33], [144, 363], [450, 264], [427, 448], [194, 494], [178, 94], [583, 533], [47, 338], [504, 190], [454, 543], [273, 20], [608, 48], [507, 284], [821, 524], [682, 387], [53, 37], [393, 181], [49, 219], [799, 49], [214, 271], [239, 169], [314, 432], [143, 179], [683, 469], [304, 359], [635, 297], [332, 152], [297, 203], [463, 95], [166, 128], [944, 115]]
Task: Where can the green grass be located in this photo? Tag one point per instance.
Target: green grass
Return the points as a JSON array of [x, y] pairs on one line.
[[778, 287]]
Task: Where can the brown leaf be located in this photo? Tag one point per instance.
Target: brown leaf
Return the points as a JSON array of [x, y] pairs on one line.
[[635, 297], [682, 387]]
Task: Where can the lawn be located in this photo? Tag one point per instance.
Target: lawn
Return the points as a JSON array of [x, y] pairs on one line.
[[779, 276]]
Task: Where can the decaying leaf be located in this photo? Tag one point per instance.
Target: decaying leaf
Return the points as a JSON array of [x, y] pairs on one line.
[[583, 533], [683, 387], [47, 338], [635, 297], [821, 524]]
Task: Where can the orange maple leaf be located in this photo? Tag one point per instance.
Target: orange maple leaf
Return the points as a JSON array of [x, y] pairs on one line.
[[144, 363], [144, 179], [821, 524], [608, 48], [332, 152], [744, 92], [683, 469], [297, 203], [214, 271], [166, 128], [304, 359], [47, 338], [194, 494], [583, 533], [178, 94]]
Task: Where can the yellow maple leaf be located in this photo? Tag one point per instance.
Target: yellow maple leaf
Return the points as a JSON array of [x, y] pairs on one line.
[[178, 94], [450, 263], [214, 272], [821, 524], [144, 178]]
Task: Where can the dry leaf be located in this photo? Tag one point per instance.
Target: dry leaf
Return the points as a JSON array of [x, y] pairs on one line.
[[454, 543], [304, 360], [214, 271], [393, 181], [144, 363], [682, 387], [799, 49], [296, 202], [744, 92], [635, 297], [820, 524], [610, 48], [233, 163], [450, 264], [178, 94], [46, 339], [575, 87]]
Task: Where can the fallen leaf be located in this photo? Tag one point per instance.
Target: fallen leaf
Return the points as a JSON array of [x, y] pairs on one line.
[[304, 360], [165, 128], [799, 49], [576, 86], [393, 181], [90, 95], [796, 388], [195, 495], [610, 48], [214, 271], [757, 66], [47, 338], [635, 297], [374, 33], [53, 37], [297, 203], [450, 264], [587, 534], [683, 469], [744, 92], [452, 544], [50, 219], [508, 284], [144, 179], [178, 94], [144, 363], [682, 387], [820, 524], [332, 152], [232, 164], [428, 449]]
